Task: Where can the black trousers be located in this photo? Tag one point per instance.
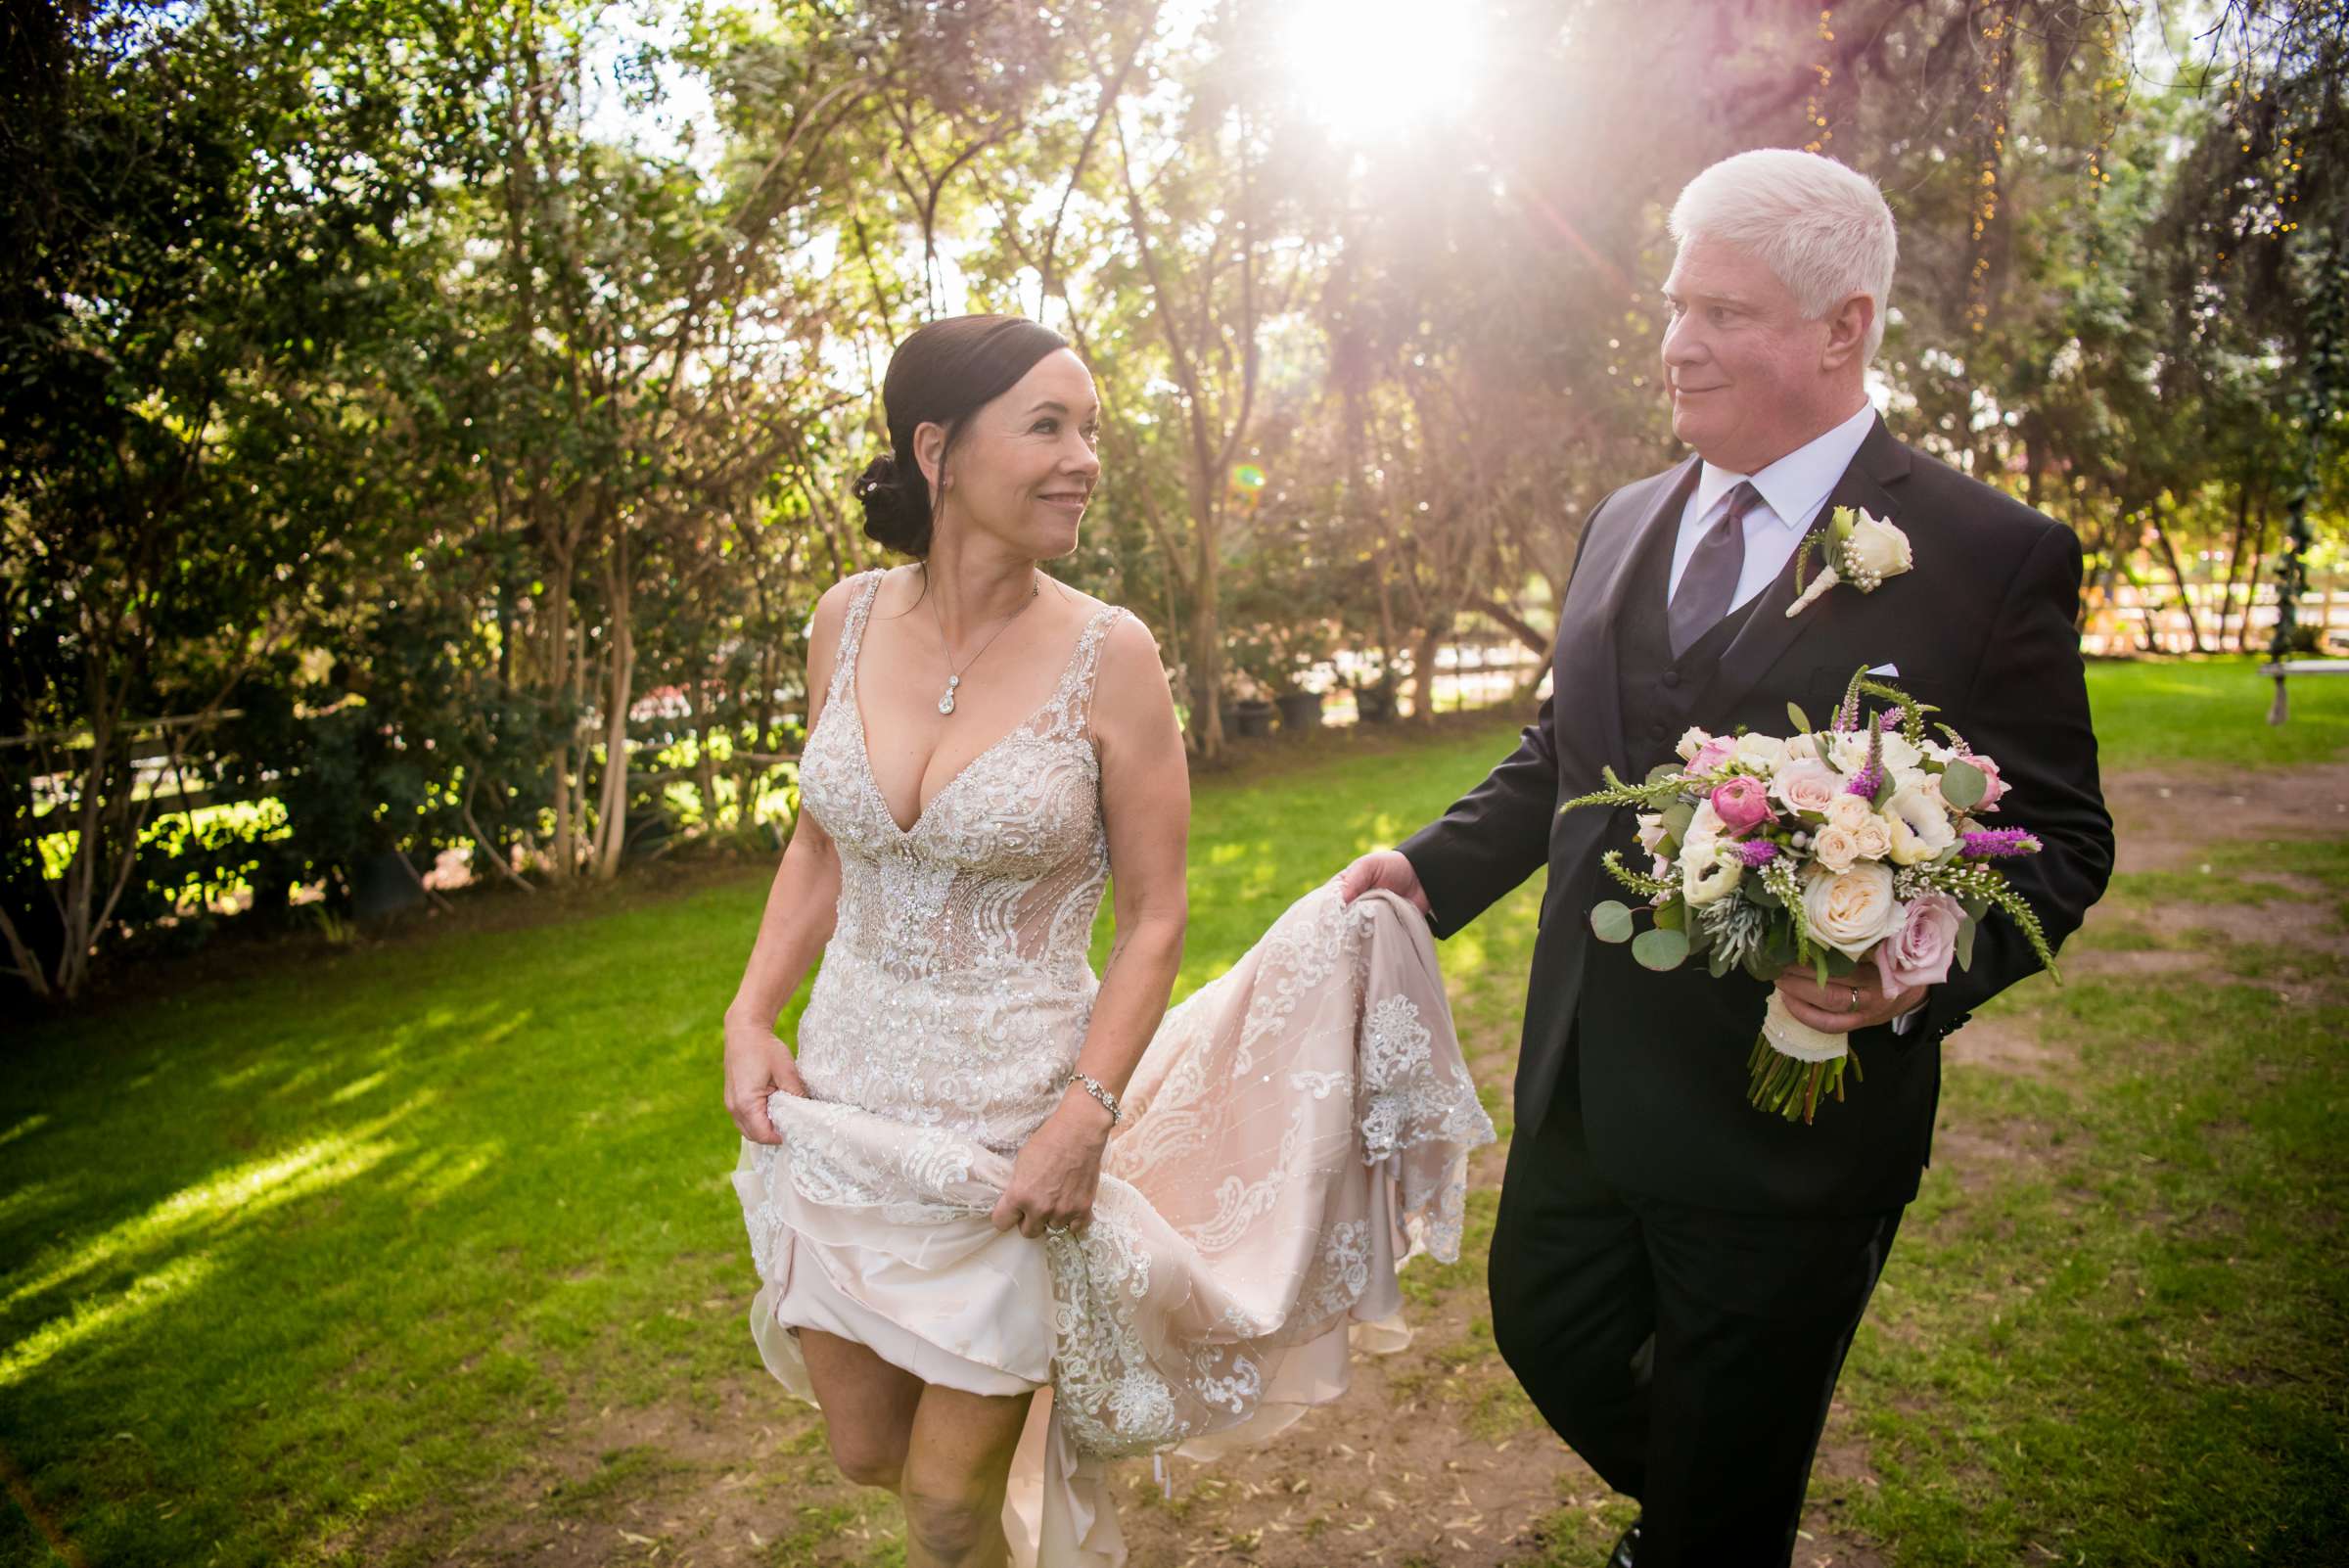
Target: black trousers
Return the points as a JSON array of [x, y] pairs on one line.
[[1687, 1354]]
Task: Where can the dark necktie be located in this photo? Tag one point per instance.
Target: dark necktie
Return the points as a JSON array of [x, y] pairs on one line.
[[1708, 581]]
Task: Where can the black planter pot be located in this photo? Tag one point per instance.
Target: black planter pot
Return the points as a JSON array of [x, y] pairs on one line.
[[382, 885], [1375, 705], [1301, 709], [1252, 720]]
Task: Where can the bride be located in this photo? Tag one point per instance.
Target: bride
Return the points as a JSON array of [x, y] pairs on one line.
[[1010, 1221]]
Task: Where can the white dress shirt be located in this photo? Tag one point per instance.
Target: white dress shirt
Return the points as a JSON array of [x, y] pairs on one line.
[[1793, 489]]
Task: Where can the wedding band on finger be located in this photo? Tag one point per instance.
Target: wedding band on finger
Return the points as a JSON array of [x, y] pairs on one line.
[[1854, 1003]]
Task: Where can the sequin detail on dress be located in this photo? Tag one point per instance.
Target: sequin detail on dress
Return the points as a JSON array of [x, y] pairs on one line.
[[1296, 1129]]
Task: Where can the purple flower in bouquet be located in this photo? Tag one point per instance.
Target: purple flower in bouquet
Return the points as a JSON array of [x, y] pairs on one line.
[[1920, 951], [1742, 804], [1866, 782], [1997, 843], [1757, 852], [1890, 720]]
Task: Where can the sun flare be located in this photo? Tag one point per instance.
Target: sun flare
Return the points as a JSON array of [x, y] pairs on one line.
[[1373, 68]]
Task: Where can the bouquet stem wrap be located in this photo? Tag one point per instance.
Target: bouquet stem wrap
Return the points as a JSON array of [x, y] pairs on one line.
[[1794, 1066]]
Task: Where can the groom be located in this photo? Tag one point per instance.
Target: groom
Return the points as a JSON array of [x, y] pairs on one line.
[[1677, 1276]]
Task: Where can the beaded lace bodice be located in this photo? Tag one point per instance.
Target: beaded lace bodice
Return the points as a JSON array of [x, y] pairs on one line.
[[957, 989], [1293, 1130]]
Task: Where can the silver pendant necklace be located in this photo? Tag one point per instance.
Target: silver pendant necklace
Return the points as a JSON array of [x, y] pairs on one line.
[[945, 702]]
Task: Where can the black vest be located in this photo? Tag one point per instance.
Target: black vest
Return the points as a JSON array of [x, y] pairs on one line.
[[1659, 692]]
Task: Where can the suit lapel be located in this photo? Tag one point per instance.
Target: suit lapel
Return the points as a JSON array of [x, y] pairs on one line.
[[1662, 511], [1870, 483]]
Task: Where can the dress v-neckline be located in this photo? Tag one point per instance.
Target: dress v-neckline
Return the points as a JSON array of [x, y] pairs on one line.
[[864, 751]]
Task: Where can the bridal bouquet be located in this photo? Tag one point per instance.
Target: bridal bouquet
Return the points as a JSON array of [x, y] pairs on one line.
[[1854, 844]]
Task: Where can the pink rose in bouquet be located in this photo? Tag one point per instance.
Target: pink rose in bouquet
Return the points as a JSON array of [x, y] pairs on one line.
[[1713, 752], [1807, 785], [1920, 951], [1992, 786], [1742, 803]]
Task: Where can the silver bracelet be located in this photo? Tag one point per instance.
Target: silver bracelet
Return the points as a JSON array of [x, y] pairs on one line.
[[1093, 1087]]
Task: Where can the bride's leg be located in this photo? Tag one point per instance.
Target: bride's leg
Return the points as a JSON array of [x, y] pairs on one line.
[[868, 1408], [954, 1477]]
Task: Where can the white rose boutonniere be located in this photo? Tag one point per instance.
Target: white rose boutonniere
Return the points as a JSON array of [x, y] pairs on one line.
[[1859, 548]]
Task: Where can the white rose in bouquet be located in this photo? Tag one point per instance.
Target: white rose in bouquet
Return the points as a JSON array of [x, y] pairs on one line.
[[1762, 753], [1849, 811], [1853, 910], [1873, 838], [1835, 848]]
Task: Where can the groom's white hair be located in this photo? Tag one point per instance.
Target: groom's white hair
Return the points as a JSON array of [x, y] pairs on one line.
[[1821, 226]]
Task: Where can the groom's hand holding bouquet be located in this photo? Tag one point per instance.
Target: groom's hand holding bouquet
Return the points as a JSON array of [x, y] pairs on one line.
[[1825, 851]]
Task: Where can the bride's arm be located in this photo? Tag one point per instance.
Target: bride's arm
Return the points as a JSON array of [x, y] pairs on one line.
[[1146, 809], [801, 907]]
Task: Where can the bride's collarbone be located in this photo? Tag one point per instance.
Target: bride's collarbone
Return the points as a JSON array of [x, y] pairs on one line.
[[915, 749]]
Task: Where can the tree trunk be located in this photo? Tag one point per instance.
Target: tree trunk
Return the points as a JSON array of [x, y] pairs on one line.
[[612, 801], [558, 667], [2234, 555], [1207, 646], [1423, 678], [2186, 600], [705, 763], [2259, 550]]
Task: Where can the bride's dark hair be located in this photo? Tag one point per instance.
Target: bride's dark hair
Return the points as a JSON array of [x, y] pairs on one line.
[[941, 375]]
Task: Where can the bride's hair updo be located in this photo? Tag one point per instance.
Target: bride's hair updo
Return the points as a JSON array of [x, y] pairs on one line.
[[941, 375]]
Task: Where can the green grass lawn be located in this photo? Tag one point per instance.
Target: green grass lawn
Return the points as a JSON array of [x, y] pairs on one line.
[[2155, 712], [289, 1261]]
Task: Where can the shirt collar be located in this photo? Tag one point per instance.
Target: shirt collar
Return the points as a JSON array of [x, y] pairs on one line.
[[1797, 484]]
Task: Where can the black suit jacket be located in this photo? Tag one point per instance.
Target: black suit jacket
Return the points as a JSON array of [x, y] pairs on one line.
[[1655, 1064]]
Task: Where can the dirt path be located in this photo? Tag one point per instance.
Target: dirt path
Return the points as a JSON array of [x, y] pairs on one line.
[[1431, 1460]]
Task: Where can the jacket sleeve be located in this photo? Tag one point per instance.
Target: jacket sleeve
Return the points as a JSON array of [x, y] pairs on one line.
[[2027, 711]]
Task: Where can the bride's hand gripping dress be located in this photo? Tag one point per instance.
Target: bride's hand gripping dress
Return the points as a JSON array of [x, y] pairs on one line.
[[1295, 1131]]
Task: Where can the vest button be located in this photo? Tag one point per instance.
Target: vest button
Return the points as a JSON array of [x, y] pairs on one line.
[[1671, 678]]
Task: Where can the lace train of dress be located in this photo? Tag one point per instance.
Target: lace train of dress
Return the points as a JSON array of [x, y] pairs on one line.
[[1295, 1131]]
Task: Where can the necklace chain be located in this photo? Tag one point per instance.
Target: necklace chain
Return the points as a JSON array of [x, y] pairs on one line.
[[946, 702]]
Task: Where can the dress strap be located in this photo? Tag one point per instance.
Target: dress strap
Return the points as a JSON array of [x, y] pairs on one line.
[[1075, 697], [852, 634]]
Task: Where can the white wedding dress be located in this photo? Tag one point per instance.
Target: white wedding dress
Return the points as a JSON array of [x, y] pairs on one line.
[[1297, 1129]]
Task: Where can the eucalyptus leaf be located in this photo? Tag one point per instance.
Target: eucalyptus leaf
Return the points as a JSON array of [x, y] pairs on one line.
[[1966, 942], [1963, 785], [1663, 770], [1673, 916], [1660, 950], [1611, 921], [1677, 818], [1800, 720]]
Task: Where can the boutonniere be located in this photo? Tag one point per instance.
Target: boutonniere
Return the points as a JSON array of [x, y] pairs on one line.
[[1859, 548]]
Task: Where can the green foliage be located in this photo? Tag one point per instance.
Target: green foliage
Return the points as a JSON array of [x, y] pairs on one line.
[[335, 331]]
